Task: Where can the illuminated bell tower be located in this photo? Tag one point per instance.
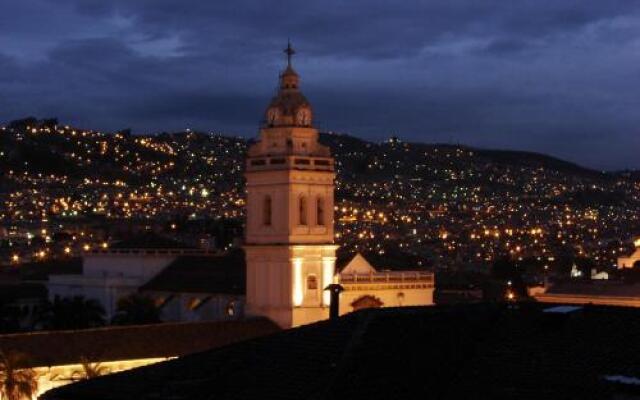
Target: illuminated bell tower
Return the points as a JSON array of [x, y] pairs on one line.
[[289, 232]]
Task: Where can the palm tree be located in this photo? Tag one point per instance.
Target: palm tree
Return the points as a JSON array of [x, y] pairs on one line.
[[136, 310], [89, 370], [72, 313], [16, 383]]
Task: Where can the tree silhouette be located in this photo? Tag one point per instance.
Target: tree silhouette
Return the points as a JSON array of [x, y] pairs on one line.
[[136, 309], [10, 318], [16, 382], [72, 313], [89, 370]]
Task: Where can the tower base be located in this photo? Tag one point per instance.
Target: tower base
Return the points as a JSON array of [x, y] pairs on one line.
[[285, 283]]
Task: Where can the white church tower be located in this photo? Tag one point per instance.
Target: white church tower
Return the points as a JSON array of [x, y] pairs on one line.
[[289, 233]]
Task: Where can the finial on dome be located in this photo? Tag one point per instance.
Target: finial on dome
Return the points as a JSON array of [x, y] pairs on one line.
[[289, 51]]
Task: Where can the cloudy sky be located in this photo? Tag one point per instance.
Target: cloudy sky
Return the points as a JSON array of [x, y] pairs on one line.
[[553, 76]]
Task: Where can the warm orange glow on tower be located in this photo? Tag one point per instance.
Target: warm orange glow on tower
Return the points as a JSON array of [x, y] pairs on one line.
[[289, 231]]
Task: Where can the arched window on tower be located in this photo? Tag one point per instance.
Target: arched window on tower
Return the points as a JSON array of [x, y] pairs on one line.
[[302, 210], [320, 211], [266, 211]]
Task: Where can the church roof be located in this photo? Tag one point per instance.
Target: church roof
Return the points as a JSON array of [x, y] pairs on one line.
[[289, 71], [130, 342], [288, 102], [220, 274], [471, 351], [391, 260], [289, 99]]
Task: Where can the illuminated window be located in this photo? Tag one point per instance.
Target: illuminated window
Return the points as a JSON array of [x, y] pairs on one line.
[[302, 210], [266, 211], [320, 211]]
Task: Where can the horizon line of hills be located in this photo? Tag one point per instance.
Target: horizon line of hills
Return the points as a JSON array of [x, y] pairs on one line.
[[339, 142]]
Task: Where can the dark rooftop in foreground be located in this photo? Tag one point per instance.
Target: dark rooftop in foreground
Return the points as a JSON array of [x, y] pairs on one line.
[[130, 342], [478, 351]]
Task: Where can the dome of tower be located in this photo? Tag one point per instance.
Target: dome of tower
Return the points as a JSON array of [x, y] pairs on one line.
[[289, 107]]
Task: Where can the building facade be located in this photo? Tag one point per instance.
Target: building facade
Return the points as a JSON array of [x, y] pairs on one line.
[[290, 250], [631, 260], [289, 232], [366, 286], [186, 283]]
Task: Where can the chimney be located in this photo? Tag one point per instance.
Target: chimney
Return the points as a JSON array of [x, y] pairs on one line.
[[334, 304]]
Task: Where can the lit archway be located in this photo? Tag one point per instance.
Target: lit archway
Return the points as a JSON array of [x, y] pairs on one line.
[[366, 301]]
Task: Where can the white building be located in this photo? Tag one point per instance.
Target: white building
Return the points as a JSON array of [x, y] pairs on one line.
[[187, 283], [629, 261], [366, 286]]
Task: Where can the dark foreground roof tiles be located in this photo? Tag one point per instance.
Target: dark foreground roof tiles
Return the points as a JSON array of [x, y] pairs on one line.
[[456, 352], [130, 342]]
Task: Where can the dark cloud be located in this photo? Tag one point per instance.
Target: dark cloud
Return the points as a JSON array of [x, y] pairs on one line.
[[554, 76]]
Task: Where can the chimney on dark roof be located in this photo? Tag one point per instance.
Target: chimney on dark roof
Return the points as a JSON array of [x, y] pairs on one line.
[[334, 304]]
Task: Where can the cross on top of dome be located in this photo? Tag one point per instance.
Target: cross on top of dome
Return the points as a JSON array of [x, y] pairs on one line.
[[289, 51], [289, 107]]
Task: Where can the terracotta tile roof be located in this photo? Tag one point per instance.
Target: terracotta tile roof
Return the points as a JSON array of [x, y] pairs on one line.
[[457, 352], [131, 342]]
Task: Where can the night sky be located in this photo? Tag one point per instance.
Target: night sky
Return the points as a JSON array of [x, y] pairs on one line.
[[558, 76]]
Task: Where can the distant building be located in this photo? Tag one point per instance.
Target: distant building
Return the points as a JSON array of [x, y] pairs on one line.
[[290, 246], [630, 261], [366, 286], [188, 284]]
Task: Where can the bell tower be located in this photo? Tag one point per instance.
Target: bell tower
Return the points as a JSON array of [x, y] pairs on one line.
[[289, 231]]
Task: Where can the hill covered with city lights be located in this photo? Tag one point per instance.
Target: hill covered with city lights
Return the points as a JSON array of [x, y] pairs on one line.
[[448, 203]]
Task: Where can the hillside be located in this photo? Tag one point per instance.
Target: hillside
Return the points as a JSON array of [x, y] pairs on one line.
[[431, 198]]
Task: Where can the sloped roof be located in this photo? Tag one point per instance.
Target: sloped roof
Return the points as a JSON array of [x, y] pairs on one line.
[[344, 264], [221, 274], [130, 342], [391, 260], [459, 352]]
